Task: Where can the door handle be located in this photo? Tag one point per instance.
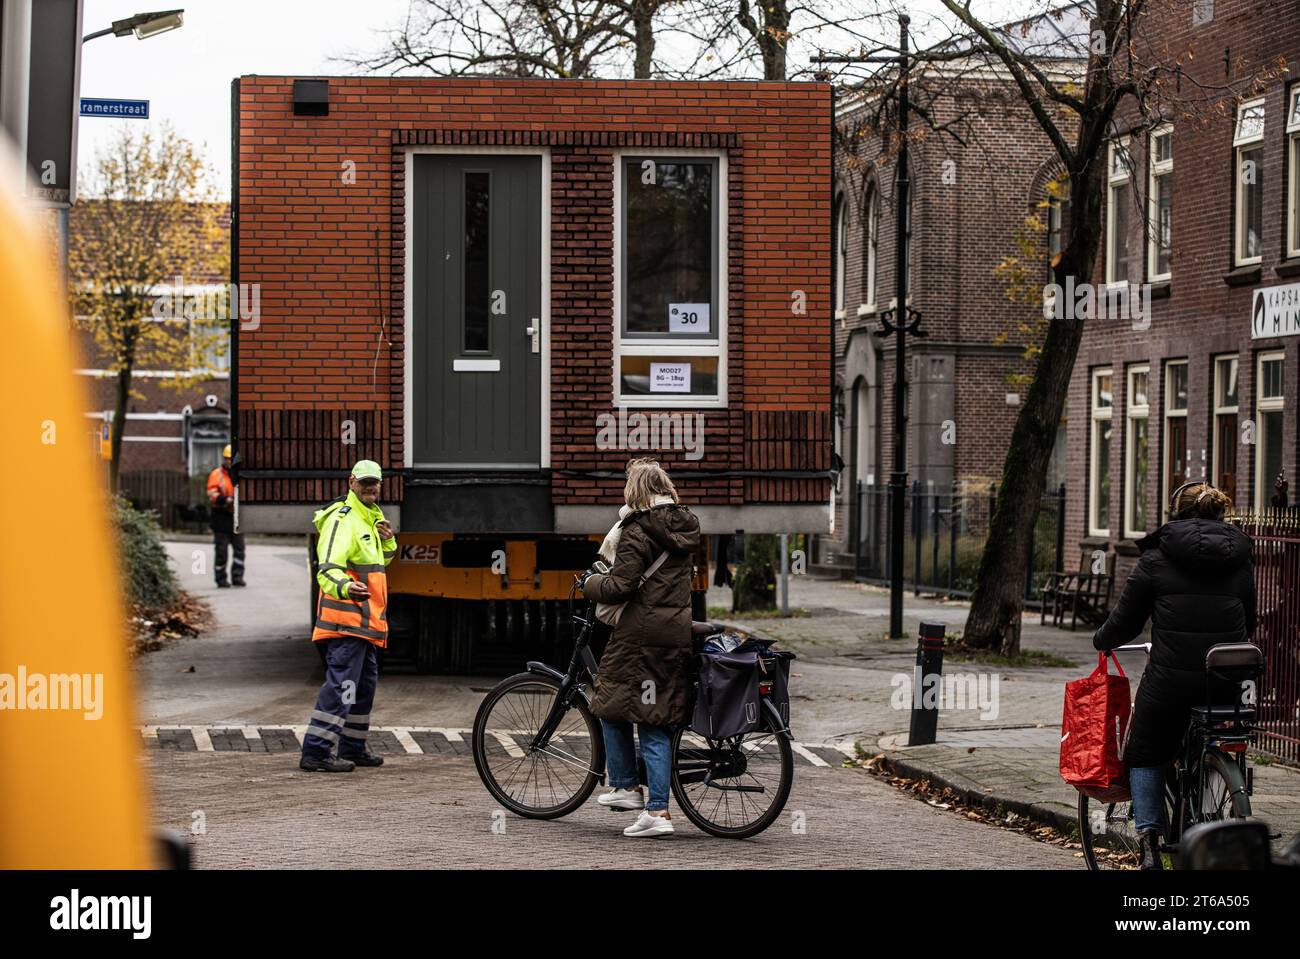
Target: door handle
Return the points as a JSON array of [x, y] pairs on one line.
[[535, 332]]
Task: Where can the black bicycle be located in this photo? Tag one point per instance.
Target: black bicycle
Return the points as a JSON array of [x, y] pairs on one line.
[[540, 752], [1210, 781]]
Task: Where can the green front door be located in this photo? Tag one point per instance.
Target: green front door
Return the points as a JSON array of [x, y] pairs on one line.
[[476, 370]]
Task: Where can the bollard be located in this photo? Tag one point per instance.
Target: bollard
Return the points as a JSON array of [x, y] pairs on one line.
[[929, 671]]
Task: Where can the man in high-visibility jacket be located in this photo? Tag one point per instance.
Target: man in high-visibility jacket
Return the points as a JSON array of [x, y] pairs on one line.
[[221, 497], [356, 545]]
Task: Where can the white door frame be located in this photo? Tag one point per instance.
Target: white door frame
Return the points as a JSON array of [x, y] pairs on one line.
[[408, 285]]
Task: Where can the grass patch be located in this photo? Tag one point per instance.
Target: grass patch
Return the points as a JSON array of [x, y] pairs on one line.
[[991, 657], [722, 612]]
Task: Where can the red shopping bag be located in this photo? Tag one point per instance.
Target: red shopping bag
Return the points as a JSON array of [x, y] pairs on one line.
[[1094, 731]]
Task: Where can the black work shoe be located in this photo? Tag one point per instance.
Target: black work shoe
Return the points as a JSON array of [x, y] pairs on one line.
[[366, 759], [238, 582], [330, 764], [1149, 850], [223, 586]]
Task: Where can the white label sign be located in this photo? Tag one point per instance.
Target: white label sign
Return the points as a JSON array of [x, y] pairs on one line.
[[1275, 311], [670, 377], [688, 318]]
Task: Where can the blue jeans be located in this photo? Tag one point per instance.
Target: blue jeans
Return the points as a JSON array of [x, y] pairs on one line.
[[1147, 785], [620, 759]]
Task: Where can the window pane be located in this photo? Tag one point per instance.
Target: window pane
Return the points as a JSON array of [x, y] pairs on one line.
[[1176, 444], [1271, 379], [1295, 192], [1270, 452], [1250, 122], [1102, 398], [1226, 376], [1163, 148], [1164, 222], [668, 245], [477, 294], [1117, 265], [1252, 202], [1225, 453], [1137, 500], [1176, 387], [669, 375], [1138, 389], [1101, 475]]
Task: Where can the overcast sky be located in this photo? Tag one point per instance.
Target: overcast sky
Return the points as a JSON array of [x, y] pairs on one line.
[[186, 74]]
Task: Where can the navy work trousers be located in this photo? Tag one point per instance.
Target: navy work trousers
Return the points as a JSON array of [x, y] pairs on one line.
[[342, 714]]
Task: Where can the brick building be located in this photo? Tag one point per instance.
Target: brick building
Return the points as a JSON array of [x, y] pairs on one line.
[[656, 248], [177, 429], [1201, 212], [969, 206]]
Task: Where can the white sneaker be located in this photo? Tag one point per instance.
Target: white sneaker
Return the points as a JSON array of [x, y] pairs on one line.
[[622, 799], [648, 825]]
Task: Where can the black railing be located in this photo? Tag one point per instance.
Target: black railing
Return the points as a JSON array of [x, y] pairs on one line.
[[947, 527]]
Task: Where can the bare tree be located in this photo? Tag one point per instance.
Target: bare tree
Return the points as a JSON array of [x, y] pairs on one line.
[[1132, 80]]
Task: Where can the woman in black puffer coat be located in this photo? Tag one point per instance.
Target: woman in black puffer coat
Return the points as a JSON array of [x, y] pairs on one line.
[[1195, 582]]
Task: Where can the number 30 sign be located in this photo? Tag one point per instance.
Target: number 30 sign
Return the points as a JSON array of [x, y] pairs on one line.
[[688, 318]]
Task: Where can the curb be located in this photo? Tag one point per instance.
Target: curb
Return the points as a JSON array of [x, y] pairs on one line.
[[1040, 814]]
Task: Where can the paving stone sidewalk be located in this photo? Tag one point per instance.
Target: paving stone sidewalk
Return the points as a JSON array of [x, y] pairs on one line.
[[1009, 760]]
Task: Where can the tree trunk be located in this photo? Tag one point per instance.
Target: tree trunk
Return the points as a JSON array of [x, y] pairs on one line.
[[121, 401], [998, 598], [643, 31]]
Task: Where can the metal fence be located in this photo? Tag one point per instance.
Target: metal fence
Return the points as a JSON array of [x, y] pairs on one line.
[[1276, 554], [946, 529], [179, 500]]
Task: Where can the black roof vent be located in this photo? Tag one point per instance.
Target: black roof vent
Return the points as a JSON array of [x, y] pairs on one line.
[[311, 98]]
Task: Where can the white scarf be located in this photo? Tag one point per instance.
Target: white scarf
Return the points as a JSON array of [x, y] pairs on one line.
[[609, 546]]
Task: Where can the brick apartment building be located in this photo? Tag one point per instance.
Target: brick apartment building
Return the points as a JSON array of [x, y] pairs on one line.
[[969, 204], [174, 431], [1205, 213], [645, 239]]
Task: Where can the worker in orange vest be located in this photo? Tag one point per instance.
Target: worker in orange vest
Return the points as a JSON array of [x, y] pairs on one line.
[[221, 496], [356, 545]]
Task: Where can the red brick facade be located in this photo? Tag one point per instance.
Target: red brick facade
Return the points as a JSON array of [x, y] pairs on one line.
[[329, 258], [1204, 310]]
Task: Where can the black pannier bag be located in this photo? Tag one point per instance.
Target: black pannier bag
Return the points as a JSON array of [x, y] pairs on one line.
[[728, 700]]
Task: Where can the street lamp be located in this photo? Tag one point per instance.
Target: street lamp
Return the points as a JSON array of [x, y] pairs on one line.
[[143, 25]]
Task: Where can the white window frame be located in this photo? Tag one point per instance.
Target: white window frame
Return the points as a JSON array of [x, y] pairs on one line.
[[1241, 143], [1116, 271], [665, 346], [1219, 409], [1098, 415], [1133, 412], [1293, 172], [1155, 170], [1173, 413], [1264, 484]]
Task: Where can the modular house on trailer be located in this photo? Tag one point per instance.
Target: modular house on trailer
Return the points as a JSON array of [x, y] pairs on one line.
[[501, 290]]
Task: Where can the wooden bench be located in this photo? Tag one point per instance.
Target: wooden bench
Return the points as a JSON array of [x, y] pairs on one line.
[[1082, 593]]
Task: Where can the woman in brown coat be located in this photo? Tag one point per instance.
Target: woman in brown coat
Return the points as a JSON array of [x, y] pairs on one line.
[[644, 674]]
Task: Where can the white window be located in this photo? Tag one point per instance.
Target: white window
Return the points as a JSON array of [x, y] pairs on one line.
[[841, 254], [873, 243], [670, 279], [1293, 168], [1099, 453], [1224, 440], [1177, 469], [1119, 164], [210, 345], [1160, 190], [1269, 408], [1248, 141], [1137, 434]]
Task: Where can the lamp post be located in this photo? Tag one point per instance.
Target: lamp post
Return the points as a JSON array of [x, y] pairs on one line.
[[898, 321]]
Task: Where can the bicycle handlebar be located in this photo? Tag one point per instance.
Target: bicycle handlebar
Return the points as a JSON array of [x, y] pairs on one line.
[[1145, 647]]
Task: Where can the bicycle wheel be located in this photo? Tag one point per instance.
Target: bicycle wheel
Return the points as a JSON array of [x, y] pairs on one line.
[[1108, 834], [1223, 791], [733, 788], [538, 784]]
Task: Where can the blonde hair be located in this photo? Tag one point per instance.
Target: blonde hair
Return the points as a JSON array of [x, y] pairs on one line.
[[1202, 501], [646, 479]]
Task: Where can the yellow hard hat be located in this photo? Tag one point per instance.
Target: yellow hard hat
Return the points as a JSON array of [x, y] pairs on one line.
[[225, 451]]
